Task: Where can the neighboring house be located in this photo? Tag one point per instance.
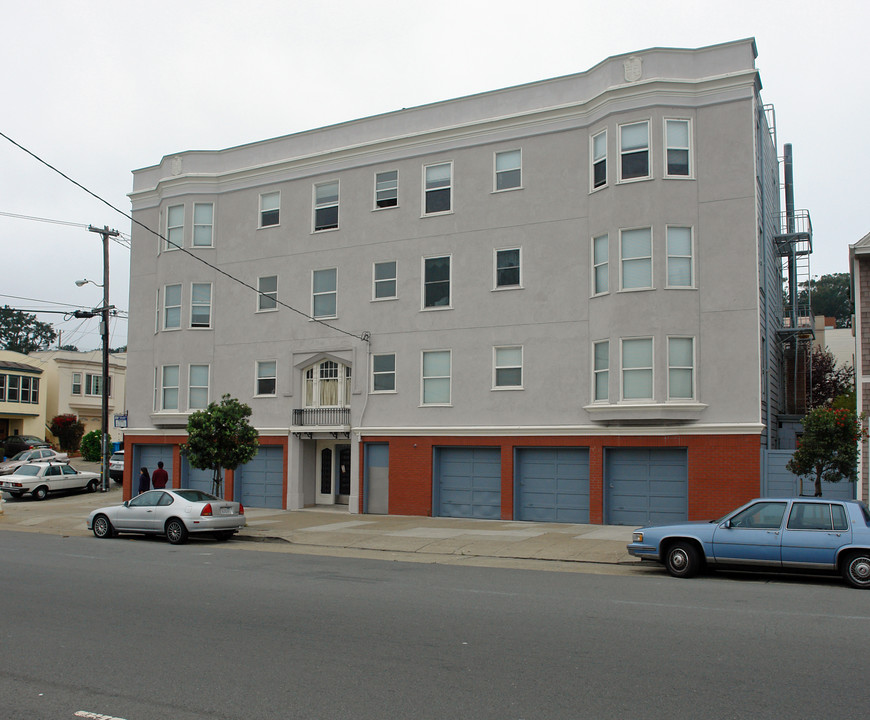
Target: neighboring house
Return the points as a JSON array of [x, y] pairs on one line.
[[558, 301], [73, 385], [840, 342], [859, 267], [22, 396]]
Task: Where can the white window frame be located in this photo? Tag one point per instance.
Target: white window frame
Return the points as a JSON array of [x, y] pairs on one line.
[[386, 190], [260, 376], [198, 224], [264, 295], [682, 368], [635, 258], [690, 257], [424, 378], [94, 383], [167, 308], [595, 159], [438, 188], [262, 210], [324, 293], [504, 171], [598, 371], [174, 232], [505, 365], [376, 281], [646, 369], [496, 268], [383, 373], [164, 388], [449, 305], [688, 149], [623, 152], [598, 264], [191, 387], [76, 383], [198, 304], [324, 205]]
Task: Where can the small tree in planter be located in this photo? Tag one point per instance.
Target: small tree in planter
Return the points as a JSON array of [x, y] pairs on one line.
[[68, 430], [92, 446], [220, 437]]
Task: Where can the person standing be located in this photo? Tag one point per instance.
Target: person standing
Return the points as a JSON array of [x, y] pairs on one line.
[[144, 481], [160, 477]]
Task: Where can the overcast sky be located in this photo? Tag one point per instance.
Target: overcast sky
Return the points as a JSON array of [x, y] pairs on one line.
[[98, 88]]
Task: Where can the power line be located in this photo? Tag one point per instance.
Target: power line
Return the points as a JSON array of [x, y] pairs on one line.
[[123, 241], [363, 336]]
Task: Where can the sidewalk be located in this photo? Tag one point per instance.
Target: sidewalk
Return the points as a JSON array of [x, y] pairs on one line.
[[323, 530]]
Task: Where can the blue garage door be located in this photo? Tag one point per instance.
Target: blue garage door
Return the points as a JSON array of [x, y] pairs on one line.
[[260, 482], [552, 485], [196, 479], [468, 483], [646, 486], [148, 455]]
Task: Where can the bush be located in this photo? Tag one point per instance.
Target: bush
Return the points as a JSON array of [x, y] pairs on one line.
[[92, 446], [68, 430]]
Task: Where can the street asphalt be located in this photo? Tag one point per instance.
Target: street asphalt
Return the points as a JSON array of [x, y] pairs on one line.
[[333, 530]]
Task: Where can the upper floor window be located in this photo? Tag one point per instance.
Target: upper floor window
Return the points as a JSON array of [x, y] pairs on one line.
[[634, 151], [387, 189], [507, 268], [681, 368], [203, 222], [267, 377], [636, 256], [637, 369], [197, 387], [601, 370], [328, 384], [174, 227], [200, 305], [508, 170], [384, 372], [600, 264], [437, 188], [436, 282], [507, 372], [436, 377], [326, 206], [76, 383], [270, 204], [678, 142], [13, 394], [324, 294], [599, 159], [94, 385], [172, 307], [267, 297], [169, 387], [384, 280], [680, 257], [29, 389]]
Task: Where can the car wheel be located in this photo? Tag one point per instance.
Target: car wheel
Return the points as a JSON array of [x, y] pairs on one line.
[[102, 527], [176, 531], [856, 570], [92, 485], [40, 493], [682, 560]]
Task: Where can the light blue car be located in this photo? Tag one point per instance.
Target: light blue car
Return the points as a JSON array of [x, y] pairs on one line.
[[802, 534]]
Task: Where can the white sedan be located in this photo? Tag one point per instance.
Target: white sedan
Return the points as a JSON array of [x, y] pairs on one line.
[[41, 478], [174, 513]]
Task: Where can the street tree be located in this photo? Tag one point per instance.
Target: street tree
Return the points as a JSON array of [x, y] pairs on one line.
[[219, 438], [827, 382], [828, 448], [21, 332], [831, 297]]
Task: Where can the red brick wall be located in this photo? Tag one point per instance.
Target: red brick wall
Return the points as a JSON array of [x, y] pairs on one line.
[[724, 470]]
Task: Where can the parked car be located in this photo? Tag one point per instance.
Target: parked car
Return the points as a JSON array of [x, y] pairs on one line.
[[173, 513], [41, 478], [116, 466], [28, 456], [14, 444], [803, 534]]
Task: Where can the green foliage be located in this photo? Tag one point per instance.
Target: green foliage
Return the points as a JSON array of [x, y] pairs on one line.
[[92, 446], [826, 381], [69, 348], [831, 297], [22, 332], [220, 437], [828, 448], [68, 430]]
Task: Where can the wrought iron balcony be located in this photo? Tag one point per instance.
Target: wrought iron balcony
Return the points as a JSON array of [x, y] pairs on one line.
[[322, 417]]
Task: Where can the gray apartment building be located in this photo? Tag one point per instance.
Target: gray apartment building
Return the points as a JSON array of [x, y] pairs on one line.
[[561, 301]]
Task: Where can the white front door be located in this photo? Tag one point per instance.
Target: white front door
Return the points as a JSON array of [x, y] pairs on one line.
[[333, 472]]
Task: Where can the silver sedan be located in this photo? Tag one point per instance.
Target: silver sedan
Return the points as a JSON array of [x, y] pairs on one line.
[[173, 513]]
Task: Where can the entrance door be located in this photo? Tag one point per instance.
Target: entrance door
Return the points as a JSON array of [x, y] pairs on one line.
[[333, 473]]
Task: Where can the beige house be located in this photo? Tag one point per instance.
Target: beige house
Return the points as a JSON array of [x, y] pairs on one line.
[[22, 396], [72, 384]]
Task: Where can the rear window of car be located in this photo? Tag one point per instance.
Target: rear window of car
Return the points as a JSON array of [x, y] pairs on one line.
[[196, 496], [117, 457]]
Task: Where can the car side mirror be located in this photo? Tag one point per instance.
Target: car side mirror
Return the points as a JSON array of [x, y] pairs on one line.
[[726, 525], [126, 503]]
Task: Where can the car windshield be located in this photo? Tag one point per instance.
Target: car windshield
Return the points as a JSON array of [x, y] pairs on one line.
[[197, 496], [32, 470], [117, 457]]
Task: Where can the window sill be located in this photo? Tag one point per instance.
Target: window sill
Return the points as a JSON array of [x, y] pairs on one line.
[[437, 214], [508, 287], [504, 190], [324, 230], [436, 309], [629, 181], [661, 413], [385, 299], [386, 207], [169, 418]]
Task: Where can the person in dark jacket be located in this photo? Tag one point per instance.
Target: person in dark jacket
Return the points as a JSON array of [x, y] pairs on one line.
[[161, 477], [144, 481]]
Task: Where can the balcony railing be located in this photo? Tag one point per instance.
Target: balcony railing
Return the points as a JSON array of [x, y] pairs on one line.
[[321, 417]]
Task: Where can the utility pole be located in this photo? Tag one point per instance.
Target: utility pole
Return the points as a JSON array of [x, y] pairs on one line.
[[104, 332]]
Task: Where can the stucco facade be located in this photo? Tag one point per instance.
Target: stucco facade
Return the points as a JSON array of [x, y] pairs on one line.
[[22, 396], [583, 264]]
